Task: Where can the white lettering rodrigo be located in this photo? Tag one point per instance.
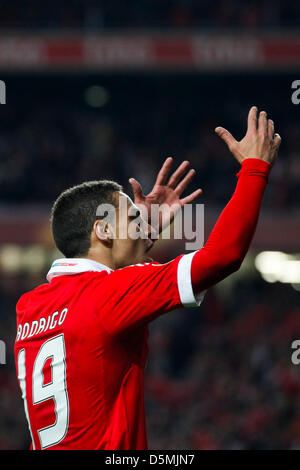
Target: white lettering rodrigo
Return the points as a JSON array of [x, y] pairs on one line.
[[40, 326]]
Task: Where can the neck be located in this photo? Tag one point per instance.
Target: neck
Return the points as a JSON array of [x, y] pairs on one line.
[[100, 257]]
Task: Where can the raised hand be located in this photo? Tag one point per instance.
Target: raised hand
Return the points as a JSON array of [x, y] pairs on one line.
[[165, 193], [259, 141]]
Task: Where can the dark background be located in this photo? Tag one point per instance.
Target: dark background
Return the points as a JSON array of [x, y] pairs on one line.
[[218, 377]]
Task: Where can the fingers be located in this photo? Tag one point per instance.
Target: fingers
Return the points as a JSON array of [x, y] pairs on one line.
[[263, 123], [271, 129], [266, 128], [226, 136], [178, 174], [185, 182], [191, 197], [275, 147], [252, 119], [163, 172], [259, 140], [137, 189]]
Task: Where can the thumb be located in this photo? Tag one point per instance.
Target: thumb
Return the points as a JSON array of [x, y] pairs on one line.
[[137, 189], [226, 136]]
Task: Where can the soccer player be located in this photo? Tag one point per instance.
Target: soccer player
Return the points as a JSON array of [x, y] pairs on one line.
[[81, 343]]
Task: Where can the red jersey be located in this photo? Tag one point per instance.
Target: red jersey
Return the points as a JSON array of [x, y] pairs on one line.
[[81, 349], [81, 343]]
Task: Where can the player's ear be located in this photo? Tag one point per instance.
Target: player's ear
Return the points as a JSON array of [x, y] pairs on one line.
[[103, 230]]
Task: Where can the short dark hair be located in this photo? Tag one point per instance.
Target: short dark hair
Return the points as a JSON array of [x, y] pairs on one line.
[[74, 213]]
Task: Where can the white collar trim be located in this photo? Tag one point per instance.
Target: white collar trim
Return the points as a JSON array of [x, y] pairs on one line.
[[69, 266]]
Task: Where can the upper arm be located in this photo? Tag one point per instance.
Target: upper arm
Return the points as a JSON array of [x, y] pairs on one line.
[[137, 294]]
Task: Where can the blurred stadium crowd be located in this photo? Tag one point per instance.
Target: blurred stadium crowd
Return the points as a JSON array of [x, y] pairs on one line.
[[53, 136], [228, 382], [99, 14], [224, 379], [218, 377]]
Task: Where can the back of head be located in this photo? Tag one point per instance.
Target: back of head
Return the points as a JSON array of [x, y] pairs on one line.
[[74, 213]]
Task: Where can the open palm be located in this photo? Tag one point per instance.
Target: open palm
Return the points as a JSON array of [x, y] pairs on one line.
[[165, 193]]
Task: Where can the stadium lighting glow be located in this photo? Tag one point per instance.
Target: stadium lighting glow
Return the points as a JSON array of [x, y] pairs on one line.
[[96, 96], [276, 266], [11, 258], [31, 258], [34, 258]]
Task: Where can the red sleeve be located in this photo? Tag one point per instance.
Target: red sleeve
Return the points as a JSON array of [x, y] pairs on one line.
[[137, 294], [230, 239]]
